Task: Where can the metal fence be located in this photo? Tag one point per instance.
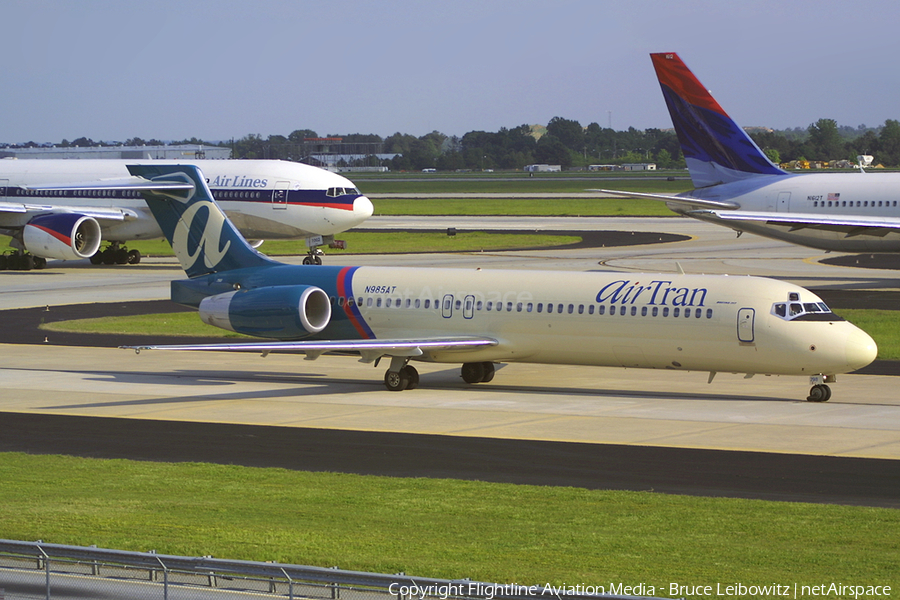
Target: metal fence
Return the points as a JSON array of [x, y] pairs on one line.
[[33, 570]]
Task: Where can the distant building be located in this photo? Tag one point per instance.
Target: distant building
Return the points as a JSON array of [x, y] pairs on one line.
[[183, 152], [639, 166], [602, 167], [543, 168]]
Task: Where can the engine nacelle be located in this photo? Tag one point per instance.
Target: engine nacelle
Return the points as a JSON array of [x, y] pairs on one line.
[[281, 312], [64, 236]]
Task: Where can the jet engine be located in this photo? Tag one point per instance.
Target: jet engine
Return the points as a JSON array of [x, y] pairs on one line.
[[280, 312], [64, 236]]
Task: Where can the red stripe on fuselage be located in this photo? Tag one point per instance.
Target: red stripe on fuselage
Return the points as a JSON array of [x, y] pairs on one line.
[[351, 310]]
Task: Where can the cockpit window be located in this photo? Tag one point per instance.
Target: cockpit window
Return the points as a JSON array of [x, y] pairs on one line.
[[340, 191], [806, 311]]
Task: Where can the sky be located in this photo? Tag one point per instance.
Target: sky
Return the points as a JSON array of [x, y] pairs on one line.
[[219, 69]]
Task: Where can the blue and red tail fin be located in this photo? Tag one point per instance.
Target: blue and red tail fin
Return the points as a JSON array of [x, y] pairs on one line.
[[202, 237], [716, 149]]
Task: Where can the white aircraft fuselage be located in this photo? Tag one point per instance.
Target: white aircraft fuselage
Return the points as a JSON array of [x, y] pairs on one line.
[[266, 199], [829, 211]]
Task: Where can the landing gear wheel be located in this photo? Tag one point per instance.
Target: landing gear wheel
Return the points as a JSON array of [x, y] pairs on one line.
[[121, 256], [308, 260], [317, 259], [473, 372], [488, 372], [819, 393], [396, 382], [40, 262], [97, 258], [134, 257], [412, 376]]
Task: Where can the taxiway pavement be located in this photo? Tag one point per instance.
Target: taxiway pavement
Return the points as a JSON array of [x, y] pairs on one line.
[[540, 404]]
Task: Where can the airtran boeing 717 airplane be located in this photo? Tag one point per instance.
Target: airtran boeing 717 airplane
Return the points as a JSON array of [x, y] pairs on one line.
[[63, 209], [739, 187], [478, 318]]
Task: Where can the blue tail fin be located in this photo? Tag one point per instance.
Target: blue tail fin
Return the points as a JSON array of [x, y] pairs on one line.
[[716, 149], [202, 237]]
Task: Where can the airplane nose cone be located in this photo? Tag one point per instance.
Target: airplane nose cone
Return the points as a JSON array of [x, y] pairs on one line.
[[362, 207], [861, 349]]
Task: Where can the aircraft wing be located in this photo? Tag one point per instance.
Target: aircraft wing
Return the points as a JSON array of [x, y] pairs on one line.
[[97, 212], [369, 349], [686, 201], [848, 224], [125, 183], [111, 213]]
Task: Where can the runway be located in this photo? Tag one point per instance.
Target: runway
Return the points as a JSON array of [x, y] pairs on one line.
[[593, 412]]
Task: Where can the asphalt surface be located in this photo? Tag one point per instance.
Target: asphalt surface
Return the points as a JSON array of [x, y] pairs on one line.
[[760, 475]]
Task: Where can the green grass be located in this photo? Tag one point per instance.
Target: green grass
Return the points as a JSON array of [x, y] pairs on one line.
[[538, 185], [584, 207], [442, 528], [391, 242], [882, 325]]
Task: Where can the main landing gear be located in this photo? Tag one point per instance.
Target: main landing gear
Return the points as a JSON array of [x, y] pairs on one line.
[[313, 257], [21, 261], [116, 254], [407, 378]]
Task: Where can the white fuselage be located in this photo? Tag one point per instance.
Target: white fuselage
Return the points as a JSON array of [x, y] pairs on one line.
[[680, 322], [868, 197], [266, 199]]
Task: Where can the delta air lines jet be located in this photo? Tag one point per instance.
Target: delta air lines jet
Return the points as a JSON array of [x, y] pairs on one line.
[[63, 209], [479, 317], [739, 187]]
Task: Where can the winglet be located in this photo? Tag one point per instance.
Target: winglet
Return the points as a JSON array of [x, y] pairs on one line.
[[716, 149]]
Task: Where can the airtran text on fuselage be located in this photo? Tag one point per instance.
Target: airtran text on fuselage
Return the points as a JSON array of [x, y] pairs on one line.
[[655, 293], [238, 181]]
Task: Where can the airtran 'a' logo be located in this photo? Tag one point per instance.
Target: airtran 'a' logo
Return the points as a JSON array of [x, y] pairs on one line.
[[209, 240]]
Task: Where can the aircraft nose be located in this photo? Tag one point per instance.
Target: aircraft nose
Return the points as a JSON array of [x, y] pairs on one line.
[[861, 349], [363, 207]]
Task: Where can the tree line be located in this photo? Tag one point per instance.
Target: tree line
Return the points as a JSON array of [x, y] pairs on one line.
[[563, 142]]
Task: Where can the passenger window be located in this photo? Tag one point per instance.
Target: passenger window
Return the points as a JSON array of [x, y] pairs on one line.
[[601, 309], [676, 312], [709, 313]]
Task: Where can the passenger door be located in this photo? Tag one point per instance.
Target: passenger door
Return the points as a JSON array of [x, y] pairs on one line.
[[279, 195], [745, 322]]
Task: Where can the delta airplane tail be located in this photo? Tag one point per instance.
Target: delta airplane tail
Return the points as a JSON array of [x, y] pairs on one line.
[[203, 239], [716, 149]]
